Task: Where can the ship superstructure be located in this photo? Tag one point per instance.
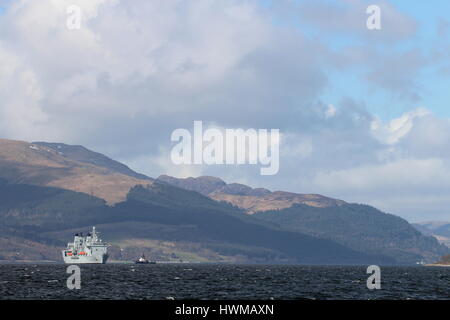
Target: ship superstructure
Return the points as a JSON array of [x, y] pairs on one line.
[[86, 249]]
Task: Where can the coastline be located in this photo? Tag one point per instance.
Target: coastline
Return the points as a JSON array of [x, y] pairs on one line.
[[30, 262]]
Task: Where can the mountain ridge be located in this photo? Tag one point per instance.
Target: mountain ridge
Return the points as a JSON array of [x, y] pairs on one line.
[[187, 217], [37, 164], [438, 229], [46, 193], [249, 199], [360, 227], [80, 153]]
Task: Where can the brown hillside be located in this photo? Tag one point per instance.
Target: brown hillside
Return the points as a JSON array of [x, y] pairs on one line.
[[250, 199], [22, 162], [275, 201]]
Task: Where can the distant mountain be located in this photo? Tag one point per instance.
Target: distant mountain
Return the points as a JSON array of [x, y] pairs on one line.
[[249, 199], [434, 227], [48, 191], [82, 170], [81, 154], [204, 185], [359, 227], [445, 261], [438, 229], [160, 212]]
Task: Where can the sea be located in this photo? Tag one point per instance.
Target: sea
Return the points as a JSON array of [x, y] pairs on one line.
[[221, 282]]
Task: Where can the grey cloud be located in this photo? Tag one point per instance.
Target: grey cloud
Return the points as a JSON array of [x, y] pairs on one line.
[[397, 73], [349, 17], [139, 69]]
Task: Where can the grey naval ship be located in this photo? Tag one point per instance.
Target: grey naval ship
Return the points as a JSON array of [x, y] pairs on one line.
[[86, 249]]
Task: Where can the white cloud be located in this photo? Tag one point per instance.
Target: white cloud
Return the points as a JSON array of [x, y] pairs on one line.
[[422, 174], [331, 111], [407, 172], [20, 93], [137, 70], [396, 129], [417, 188], [349, 17]]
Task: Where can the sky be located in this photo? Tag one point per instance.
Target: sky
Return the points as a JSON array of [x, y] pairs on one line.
[[363, 114]]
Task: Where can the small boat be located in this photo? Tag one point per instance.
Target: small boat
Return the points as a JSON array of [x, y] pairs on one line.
[[143, 260]]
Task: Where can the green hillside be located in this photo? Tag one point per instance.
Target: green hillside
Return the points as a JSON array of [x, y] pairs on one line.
[[179, 215], [360, 227]]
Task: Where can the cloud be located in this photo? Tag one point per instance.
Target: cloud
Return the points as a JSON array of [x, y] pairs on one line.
[[407, 159], [425, 175], [396, 129], [349, 17], [137, 70], [150, 67], [21, 93], [398, 72], [418, 188]]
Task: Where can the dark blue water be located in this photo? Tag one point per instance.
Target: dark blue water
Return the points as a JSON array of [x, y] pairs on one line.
[[185, 281]]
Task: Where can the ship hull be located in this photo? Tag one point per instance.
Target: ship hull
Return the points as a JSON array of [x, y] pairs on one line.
[[100, 259]]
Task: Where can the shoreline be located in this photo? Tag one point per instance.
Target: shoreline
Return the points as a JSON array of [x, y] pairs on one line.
[[109, 262]]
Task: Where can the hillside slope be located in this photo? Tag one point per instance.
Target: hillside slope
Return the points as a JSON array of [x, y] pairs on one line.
[[249, 199], [48, 191], [438, 229], [168, 214], [27, 163], [81, 154], [362, 228]]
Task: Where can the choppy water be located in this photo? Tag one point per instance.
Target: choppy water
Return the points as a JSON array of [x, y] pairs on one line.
[[185, 281]]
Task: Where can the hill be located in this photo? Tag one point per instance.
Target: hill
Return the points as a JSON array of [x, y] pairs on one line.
[[359, 227], [438, 229], [249, 199], [48, 191], [81, 154], [38, 164], [160, 212]]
